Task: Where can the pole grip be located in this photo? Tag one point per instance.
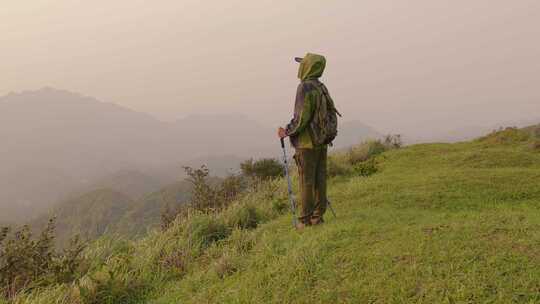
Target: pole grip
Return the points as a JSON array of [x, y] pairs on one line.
[[282, 142]]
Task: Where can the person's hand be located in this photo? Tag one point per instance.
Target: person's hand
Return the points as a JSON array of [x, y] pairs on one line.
[[281, 133]]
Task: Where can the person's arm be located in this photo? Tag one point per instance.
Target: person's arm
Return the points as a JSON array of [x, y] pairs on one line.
[[304, 113]]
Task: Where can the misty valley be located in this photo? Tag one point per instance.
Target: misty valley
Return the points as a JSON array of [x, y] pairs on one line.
[[99, 167]]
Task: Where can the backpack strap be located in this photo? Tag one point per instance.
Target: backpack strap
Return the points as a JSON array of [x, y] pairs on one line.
[[325, 92]]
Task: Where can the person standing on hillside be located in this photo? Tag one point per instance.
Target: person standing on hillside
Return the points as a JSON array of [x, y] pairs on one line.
[[313, 127]]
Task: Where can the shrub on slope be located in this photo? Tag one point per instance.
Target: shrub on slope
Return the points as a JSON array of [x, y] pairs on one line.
[[362, 159], [508, 136], [266, 168], [28, 262], [123, 271]]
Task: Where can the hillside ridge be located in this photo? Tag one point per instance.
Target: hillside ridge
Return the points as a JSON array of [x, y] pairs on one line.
[[437, 223]]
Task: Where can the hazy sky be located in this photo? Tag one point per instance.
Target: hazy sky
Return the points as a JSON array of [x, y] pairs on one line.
[[402, 66]]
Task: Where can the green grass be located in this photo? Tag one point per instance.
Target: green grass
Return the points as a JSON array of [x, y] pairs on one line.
[[439, 223]]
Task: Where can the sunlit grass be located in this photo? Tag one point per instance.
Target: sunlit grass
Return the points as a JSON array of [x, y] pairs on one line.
[[438, 223]]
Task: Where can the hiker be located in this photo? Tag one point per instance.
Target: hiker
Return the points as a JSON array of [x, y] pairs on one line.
[[313, 127]]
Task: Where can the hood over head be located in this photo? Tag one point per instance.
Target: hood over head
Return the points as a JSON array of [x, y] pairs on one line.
[[311, 67]]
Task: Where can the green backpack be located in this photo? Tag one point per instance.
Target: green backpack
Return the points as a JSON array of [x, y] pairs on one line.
[[324, 124]]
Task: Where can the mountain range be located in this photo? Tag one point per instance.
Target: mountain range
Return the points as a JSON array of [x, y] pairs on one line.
[[56, 144]]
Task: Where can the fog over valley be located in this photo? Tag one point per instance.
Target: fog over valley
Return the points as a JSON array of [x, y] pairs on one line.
[[56, 143]]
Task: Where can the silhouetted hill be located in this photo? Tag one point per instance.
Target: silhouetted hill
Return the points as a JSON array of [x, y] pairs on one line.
[[89, 215], [106, 211], [469, 132], [534, 129], [146, 212], [56, 141]]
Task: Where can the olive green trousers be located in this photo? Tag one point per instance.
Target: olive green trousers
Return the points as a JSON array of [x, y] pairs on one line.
[[312, 178]]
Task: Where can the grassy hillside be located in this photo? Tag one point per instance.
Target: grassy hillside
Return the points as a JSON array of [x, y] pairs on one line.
[[439, 223]]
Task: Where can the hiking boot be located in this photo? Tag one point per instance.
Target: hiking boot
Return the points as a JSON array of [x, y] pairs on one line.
[[316, 220], [300, 226]]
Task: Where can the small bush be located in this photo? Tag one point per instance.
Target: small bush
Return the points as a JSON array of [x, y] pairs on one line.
[[203, 196], [243, 217], [114, 283], [335, 168], [510, 135], [280, 206], [372, 148], [365, 151], [360, 159], [27, 263], [366, 168], [230, 189], [393, 141], [269, 189], [266, 168], [205, 230]]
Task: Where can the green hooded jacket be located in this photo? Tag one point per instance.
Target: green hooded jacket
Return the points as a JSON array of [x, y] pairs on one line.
[[307, 97]]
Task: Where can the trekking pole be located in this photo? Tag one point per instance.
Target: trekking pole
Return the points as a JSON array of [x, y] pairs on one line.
[[289, 185], [331, 209]]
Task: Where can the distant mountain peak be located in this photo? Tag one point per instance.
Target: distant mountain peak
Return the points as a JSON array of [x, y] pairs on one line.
[[44, 91]]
